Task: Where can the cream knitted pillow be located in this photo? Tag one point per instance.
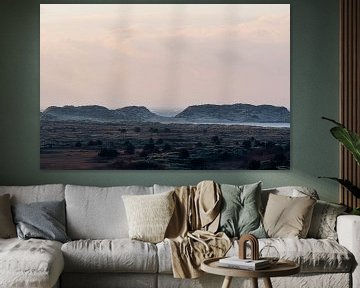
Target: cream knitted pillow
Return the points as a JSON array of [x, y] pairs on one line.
[[149, 215]]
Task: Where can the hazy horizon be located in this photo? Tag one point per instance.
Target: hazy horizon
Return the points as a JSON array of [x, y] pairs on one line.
[[153, 109], [164, 56]]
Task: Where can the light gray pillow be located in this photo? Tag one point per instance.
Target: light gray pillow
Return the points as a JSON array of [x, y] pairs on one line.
[[44, 220], [323, 222], [240, 213], [7, 226]]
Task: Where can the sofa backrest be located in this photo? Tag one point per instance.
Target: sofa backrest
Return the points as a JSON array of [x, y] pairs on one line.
[[162, 188], [98, 212], [36, 193]]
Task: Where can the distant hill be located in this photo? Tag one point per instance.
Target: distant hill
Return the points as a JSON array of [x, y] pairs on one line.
[[207, 113], [134, 113], [99, 113], [93, 112], [235, 113]]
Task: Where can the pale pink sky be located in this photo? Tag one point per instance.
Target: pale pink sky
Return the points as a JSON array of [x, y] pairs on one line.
[[164, 55]]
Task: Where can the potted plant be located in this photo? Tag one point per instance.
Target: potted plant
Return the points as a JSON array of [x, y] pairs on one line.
[[351, 141]]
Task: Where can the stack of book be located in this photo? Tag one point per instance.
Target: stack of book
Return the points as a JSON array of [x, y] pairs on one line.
[[248, 264]]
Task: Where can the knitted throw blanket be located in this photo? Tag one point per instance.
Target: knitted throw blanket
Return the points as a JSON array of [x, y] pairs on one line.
[[191, 231]]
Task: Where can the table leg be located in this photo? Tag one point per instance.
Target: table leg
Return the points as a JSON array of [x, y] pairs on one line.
[[254, 282], [227, 282], [267, 283]]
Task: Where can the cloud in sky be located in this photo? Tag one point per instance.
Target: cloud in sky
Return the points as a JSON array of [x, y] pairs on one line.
[[164, 55]]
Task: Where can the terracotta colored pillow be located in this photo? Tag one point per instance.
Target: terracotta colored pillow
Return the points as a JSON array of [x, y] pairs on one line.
[[288, 217], [7, 226]]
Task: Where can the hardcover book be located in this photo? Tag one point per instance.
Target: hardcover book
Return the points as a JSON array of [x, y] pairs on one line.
[[236, 262]]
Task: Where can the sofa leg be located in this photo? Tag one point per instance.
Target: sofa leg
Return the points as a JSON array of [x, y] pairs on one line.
[[267, 282], [227, 282]]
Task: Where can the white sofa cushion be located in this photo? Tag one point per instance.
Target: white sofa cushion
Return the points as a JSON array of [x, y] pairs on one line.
[[98, 213], [37, 193], [117, 255], [30, 263], [313, 255]]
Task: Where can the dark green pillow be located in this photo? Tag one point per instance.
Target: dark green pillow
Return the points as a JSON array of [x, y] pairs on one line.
[[240, 210], [43, 220]]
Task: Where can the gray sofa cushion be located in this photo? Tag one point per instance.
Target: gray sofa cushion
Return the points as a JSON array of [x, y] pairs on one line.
[[44, 220], [30, 263], [117, 255], [98, 213]]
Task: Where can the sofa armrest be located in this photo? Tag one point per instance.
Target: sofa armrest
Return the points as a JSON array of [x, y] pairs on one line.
[[348, 230]]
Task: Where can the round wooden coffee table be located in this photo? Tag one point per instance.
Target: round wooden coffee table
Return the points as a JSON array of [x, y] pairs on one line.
[[281, 268]]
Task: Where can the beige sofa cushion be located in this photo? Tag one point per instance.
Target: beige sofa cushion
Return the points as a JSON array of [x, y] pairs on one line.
[[287, 216], [117, 255], [98, 213], [30, 263]]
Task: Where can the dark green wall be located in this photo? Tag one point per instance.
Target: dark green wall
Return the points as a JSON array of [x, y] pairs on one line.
[[314, 93]]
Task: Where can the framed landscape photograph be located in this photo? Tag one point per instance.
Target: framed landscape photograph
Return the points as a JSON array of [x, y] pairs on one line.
[[165, 86]]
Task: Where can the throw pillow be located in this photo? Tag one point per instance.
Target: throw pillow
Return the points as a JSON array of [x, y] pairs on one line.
[[43, 220], [323, 222], [288, 217], [240, 213], [7, 227], [149, 215]]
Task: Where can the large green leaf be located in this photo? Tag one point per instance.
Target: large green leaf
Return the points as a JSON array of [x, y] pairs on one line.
[[348, 138], [348, 185]]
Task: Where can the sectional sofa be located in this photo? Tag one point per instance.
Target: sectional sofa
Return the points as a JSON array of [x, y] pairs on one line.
[[100, 253]]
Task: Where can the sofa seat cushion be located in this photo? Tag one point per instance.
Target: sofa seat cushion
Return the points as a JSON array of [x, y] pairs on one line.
[[115, 255], [313, 255], [30, 263]]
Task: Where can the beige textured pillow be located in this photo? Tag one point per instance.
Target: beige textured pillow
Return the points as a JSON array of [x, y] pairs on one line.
[[149, 215], [288, 217], [7, 226]]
